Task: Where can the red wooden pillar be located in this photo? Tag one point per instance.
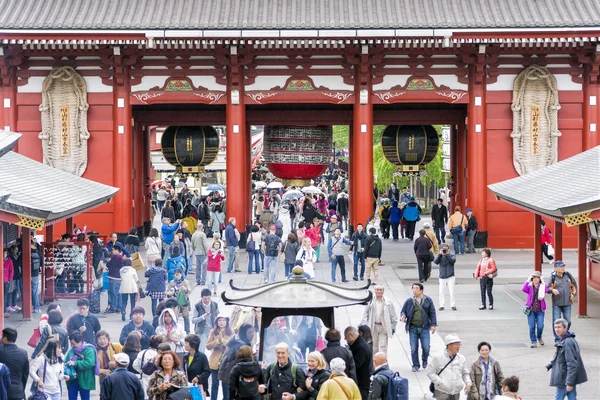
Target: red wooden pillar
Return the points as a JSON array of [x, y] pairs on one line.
[[351, 192], [248, 178], [582, 264], [476, 153], [26, 256], [452, 202], [362, 145], [237, 144], [48, 284], [69, 224], [537, 242], [590, 115], [49, 236], [138, 182], [461, 168], [2, 277], [122, 151], [147, 175], [558, 241]]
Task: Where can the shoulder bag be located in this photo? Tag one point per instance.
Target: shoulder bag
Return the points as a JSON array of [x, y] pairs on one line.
[[38, 394], [343, 389], [458, 228], [431, 385]]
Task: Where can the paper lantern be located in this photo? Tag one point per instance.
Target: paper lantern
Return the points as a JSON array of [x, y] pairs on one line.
[[190, 148]]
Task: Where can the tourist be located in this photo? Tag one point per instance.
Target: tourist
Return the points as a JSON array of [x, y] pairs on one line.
[[289, 252], [485, 273], [405, 196], [168, 230], [82, 366], [343, 208], [232, 237], [114, 277], [439, 219], [457, 224], [422, 248], [563, 287], [52, 330], [510, 387], [47, 371], [161, 198], [446, 261], [253, 246], [122, 383], [171, 330], [132, 241], [363, 359], [178, 243], [339, 385], [333, 224], [535, 307], [434, 242], [335, 249], [9, 284], [17, 261], [244, 337], [567, 366], [129, 287], [449, 382], [175, 262], [412, 214], [373, 249], [110, 245], [418, 313], [36, 267], [384, 219], [246, 378], [131, 348], [396, 215], [316, 375], [335, 350], [153, 246], [486, 375], [145, 359], [179, 288], [381, 317], [168, 375], [283, 377], [307, 255], [380, 377], [156, 285], [213, 269], [358, 242], [17, 362], [546, 242], [84, 322], [216, 343], [271, 247], [471, 230], [106, 352], [195, 363], [205, 314], [365, 332], [168, 211], [200, 245]]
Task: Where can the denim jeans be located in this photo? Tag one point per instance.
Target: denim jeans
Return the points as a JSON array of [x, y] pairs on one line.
[[415, 335], [212, 277], [535, 319], [18, 289], [471, 239], [254, 256], [231, 250], [167, 248], [288, 269], [124, 297], [334, 262], [154, 304], [75, 389], [395, 226], [115, 287], [200, 270], [270, 274], [53, 396], [161, 204], [359, 257], [558, 312], [440, 233], [561, 392], [459, 239], [35, 292], [214, 389], [7, 296]]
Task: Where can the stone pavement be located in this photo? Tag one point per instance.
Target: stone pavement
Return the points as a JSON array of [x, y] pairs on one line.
[[505, 327]]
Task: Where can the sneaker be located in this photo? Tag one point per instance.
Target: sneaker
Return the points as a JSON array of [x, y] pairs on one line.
[[441, 309], [482, 308], [345, 281], [122, 316], [362, 278], [17, 308], [541, 342], [533, 345], [415, 369], [424, 365], [11, 309], [491, 306], [6, 314], [453, 308], [37, 311]]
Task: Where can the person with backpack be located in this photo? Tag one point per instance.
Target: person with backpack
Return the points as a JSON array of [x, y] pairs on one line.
[[253, 246], [132, 241], [373, 248], [290, 251], [144, 362], [175, 262], [156, 285], [384, 219], [457, 224], [246, 377], [283, 377], [179, 288], [563, 287], [385, 383], [244, 337], [412, 214], [271, 248]]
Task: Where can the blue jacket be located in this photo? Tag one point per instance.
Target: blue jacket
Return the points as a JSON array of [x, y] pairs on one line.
[[412, 211], [230, 238], [429, 317], [168, 231], [172, 264], [147, 331], [446, 264], [395, 214], [157, 279], [109, 247], [4, 381]]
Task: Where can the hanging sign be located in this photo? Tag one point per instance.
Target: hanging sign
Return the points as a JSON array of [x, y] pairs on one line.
[[65, 133], [535, 131]]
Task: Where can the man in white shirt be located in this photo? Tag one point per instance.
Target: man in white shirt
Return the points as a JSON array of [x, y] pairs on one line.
[[381, 317]]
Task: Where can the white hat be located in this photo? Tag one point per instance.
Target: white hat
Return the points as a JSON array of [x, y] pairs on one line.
[[451, 338], [122, 359], [426, 225]]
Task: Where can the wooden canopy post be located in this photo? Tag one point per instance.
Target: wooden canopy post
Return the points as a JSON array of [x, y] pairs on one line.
[[537, 240], [582, 263], [558, 242], [69, 226], [26, 277]]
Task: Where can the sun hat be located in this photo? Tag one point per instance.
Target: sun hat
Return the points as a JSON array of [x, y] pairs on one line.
[[122, 359], [451, 338]]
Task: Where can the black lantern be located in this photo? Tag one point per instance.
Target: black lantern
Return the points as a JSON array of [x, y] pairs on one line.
[[410, 147], [190, 148]]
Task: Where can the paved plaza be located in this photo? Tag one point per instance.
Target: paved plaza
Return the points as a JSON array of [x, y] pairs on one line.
[[505, 327]]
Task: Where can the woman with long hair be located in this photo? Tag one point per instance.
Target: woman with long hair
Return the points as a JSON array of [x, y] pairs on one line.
[[132, 348], [246, 377], [48, 371], [153, 246], [167, 379], [216, 342], [217, 220], [168, 211], [132, 241], [485, 273]]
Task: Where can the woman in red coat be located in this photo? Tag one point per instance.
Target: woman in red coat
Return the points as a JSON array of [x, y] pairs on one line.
[[486, 272], [213, 267]]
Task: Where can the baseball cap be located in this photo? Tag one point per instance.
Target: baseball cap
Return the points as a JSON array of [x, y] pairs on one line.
[[122, 359]]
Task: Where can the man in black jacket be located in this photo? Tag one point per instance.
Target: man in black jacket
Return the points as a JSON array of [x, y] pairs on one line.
[[363, 359], [446, 262], [84, 322], [380, 377], [121, 384], [421, 247], [471, 231], [284, 377], [373, 249], [17, 362], [439, 218], [342, 209], [334, 350], [358, 241]]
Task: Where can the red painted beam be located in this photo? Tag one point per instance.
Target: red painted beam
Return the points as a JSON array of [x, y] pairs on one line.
[[8, 217], [558, 240]]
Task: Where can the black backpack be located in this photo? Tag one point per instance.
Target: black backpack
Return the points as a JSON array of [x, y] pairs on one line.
[[247, 387], [385, 213], [271, 244]]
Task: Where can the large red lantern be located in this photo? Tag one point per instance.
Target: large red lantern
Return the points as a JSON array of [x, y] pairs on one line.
[[297, 153], [410, 147]]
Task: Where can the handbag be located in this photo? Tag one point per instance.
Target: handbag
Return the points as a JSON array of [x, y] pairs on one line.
[[431, 385], [458, 228], [38, 394], [320, 344], [105, 281], [550, 250], [181, 394], [196, 392], [70, 371], [182, 299], [141, 292], [526, 310], [35, 338]]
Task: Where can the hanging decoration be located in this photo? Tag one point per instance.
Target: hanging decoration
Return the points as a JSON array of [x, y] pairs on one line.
[[410, 147], [190, 148]]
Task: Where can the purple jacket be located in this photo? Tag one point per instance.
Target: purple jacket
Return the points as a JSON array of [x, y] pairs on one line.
[[528, 288]]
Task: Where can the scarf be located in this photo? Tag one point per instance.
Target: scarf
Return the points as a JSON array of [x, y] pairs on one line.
[[105, 357], [178, 282], [170, 327], [486, 387], [78, 351], [541, 290]]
